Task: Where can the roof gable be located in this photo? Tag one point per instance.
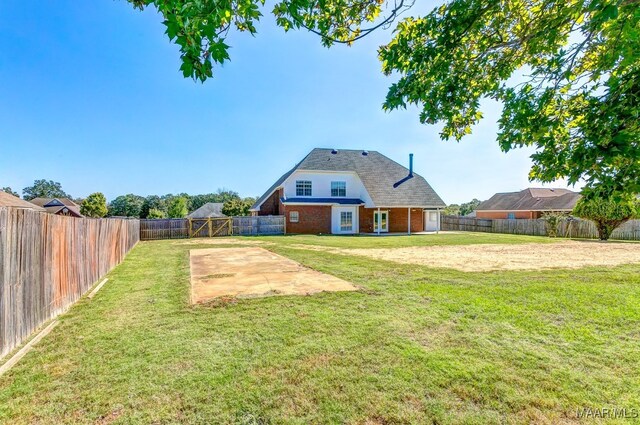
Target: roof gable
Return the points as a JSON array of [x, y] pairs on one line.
[[378, 174]]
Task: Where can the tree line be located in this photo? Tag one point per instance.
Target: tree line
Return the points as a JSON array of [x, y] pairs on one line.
[[131, 205]]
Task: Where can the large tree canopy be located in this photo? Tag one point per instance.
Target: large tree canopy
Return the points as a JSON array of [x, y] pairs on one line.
[[44, 189], [566, 71]]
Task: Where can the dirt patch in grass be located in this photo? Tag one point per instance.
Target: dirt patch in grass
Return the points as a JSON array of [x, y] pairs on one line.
[[221, 241], [491, 257], [254, 272]]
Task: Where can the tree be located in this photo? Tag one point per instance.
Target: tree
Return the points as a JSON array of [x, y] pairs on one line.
[[178, 208], [126, 206], [153, 202], [221, 195], [607, 214], [578, 104], [8, 190], [94, 205], [155, 213], [463, 209], [452, 209], [567, 73], [469, 207], [237, 207], [44, 189]]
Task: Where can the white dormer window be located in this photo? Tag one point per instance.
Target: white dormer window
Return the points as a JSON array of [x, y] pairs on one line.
[[339, 189], [303, 187]]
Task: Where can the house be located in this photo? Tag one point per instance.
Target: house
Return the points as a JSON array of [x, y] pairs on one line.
[[8, 200], [210, 209], [352, 191], [58, 206], [528, 203]]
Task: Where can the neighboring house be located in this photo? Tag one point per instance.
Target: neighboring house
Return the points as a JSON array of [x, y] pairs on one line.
[[528, 203], [8, 200], [210, 209], [351, 191], [58, 206]]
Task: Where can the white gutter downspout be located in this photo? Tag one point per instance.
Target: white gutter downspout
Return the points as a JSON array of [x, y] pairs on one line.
[[409, 222], [379, 220], [438, 228]]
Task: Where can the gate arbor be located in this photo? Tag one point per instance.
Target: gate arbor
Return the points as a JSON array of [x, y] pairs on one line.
[[210, 227]]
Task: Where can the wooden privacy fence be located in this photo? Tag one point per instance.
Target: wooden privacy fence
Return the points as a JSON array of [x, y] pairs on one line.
[[571, 228], [169, 228], [48, 261], [178, 228]]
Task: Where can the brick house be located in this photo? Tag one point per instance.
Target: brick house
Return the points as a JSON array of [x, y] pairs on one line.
[[352, 191], [528, 203]]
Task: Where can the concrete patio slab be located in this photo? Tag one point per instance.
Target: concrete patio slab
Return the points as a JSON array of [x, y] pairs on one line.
[[254, 272]]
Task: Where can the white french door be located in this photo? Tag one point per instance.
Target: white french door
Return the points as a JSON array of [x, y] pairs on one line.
[[383, 222]]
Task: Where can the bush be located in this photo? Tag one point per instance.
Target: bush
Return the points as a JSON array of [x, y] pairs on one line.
[[607, 214], [553, 220], [156, 213]]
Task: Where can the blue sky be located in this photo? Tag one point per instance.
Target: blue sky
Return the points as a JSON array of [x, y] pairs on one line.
[[91, 96]]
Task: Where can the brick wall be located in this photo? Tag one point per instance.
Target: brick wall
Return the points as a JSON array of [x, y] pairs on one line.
[[398, 219], [313, 219], [272, 205]]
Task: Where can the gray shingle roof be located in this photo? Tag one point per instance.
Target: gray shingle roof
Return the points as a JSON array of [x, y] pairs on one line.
[[8, 200], [210, 209], [378, 174], [533, 199]]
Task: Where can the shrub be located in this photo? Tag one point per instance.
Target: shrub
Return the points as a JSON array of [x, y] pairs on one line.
[[553, 220], [607, 214]]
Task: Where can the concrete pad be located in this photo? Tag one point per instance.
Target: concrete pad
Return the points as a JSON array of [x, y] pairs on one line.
[[253, 271]]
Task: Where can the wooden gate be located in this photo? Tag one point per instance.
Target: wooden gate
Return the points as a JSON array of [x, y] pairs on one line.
[[210, 227]]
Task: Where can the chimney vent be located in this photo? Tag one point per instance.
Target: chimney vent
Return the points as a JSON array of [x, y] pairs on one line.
[[411, 164]]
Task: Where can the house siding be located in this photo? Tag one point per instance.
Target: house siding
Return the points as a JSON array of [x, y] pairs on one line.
[[313, 219]]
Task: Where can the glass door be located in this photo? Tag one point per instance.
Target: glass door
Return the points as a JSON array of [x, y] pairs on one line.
[[384, 221]]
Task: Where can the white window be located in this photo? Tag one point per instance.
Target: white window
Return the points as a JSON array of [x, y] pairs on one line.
[[303, 187], [511, 216], [433, 216], [294, 216], [338, 188], [346, 221]]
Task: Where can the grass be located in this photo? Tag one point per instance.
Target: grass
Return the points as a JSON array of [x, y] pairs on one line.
[[416, 345]]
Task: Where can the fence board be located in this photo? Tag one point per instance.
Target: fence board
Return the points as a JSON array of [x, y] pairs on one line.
[[573, 228], [48, 261]]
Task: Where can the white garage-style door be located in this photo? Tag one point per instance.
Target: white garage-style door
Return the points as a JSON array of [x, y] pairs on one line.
[[344, 220]]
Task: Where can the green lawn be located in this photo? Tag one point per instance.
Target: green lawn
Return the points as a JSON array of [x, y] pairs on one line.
[[416, 345]]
